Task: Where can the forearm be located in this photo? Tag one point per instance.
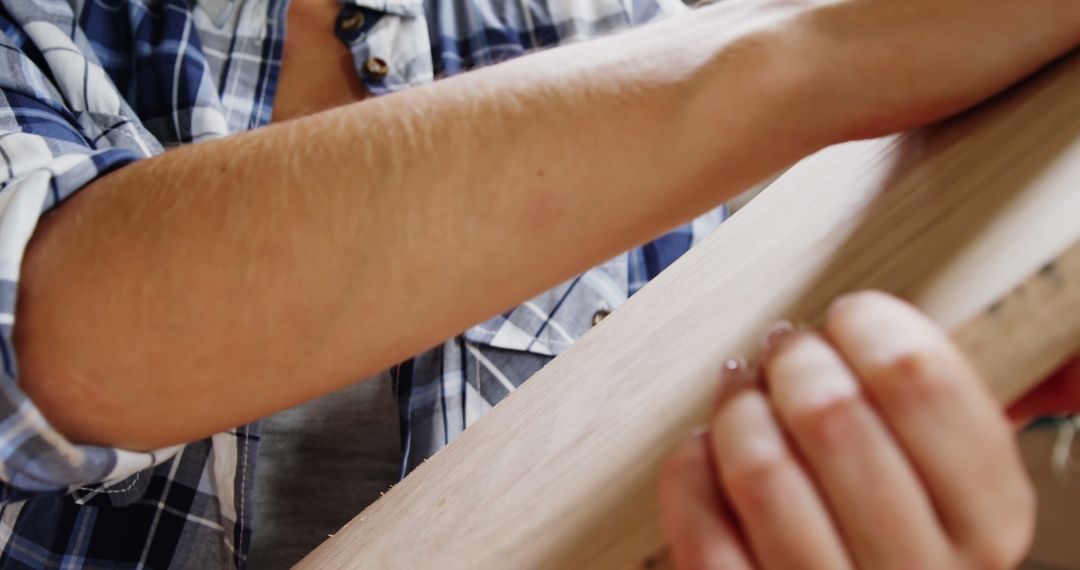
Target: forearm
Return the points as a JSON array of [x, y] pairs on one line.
[[226, 280]]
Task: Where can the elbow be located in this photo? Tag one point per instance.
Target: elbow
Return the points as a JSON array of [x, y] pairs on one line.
[[77, 405], [58, 339]]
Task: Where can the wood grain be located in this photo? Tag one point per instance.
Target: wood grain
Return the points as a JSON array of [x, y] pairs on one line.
[[974, 220]]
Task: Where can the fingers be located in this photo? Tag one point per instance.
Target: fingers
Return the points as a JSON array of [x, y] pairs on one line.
[[877, 500], [875, 446], [949, 426], [785, 521], [696, 525]]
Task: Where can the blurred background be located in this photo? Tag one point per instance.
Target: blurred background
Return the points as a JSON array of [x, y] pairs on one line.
[[1057, 540]]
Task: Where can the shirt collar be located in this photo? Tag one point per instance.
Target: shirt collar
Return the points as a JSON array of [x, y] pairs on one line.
[[218, 10]]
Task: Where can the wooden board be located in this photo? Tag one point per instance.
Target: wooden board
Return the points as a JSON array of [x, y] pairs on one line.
[[975, 220]]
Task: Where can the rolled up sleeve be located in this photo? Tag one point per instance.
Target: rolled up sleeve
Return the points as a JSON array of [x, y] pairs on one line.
[[50, 148]]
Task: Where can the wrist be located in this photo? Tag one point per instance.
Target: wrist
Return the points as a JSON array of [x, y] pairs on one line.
[[757, 97]]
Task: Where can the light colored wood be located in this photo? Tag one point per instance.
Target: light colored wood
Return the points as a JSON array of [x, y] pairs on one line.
[[964, 219], [1026, 335]]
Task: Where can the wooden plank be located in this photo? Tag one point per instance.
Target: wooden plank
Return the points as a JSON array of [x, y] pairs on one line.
[[1025, 336], [974, 220]]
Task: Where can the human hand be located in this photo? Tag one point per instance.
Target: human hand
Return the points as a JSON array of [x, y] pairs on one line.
[[873, 444]]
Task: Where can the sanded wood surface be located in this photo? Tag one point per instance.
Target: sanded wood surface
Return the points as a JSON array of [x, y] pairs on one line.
[[974, 220]]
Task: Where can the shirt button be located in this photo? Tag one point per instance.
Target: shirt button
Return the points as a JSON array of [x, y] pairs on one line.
[[599, 316], [352, 21], [376, 69]]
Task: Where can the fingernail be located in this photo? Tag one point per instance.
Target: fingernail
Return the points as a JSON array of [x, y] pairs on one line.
[[810, 375], [735, 374], [840, 301], [734, 370], [775, 336], [747, 434], [843, 299], [698, 432]]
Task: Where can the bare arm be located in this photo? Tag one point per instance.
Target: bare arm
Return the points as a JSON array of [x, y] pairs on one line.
[[226, 280]]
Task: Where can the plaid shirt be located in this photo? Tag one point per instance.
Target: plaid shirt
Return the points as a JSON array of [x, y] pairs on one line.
[[88, 86]]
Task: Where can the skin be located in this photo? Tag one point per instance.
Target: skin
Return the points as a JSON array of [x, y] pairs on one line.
[[246, 295], [871, 443], [234, 284], [317, 69]]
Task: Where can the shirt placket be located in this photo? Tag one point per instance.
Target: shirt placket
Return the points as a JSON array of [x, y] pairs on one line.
[[389, 43]]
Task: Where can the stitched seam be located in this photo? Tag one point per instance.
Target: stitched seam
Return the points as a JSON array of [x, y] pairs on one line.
[[125, 489], [243, 491]]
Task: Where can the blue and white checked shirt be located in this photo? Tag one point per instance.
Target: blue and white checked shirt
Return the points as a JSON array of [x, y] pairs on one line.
[[88, 86]]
